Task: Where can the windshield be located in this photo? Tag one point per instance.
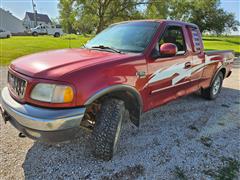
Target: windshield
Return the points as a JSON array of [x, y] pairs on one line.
[[126, 37]]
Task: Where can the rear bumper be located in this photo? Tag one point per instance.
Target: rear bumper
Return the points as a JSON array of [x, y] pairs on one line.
[[51, 125]]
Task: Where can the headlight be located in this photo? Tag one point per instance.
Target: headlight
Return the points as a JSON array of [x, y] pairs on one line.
[[52, 93]]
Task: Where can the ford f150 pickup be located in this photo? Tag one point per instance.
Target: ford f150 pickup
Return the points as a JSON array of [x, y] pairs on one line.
[[134, 66]]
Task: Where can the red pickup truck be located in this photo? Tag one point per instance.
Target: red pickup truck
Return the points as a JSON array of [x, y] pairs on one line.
[[134, 65]]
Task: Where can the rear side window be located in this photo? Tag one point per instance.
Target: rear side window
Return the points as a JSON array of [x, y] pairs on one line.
[[196, 40]]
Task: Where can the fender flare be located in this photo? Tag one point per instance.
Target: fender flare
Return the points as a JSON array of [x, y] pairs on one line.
[[114, 88], [216, 73], [135, 113]]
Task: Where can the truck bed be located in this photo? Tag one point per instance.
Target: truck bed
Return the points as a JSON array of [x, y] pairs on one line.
[[227, 54], [218, 52]]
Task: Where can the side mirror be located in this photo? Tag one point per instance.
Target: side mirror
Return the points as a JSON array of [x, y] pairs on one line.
[[168, 49]]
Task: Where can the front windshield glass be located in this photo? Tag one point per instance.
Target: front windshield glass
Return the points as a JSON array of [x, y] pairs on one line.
[[126, 37]]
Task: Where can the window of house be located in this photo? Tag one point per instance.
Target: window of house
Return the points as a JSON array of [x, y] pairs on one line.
[[174, 34]]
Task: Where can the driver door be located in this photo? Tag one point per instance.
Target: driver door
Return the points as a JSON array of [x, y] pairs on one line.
[[168, 75]]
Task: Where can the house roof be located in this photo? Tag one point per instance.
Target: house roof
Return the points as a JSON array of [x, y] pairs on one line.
[[40, 17]]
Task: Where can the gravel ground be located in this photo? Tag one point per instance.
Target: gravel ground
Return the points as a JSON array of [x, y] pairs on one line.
[[190, 138]]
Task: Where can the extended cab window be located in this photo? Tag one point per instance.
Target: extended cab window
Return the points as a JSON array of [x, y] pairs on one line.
[[174, 34], [196, 40]]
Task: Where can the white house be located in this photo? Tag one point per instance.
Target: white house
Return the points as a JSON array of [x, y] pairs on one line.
[[29, 20], [10, 23]]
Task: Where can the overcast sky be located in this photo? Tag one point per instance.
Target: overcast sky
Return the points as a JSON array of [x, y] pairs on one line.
[[19, 7]]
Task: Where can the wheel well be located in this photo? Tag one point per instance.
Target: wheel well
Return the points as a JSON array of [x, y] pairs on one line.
[[131, 101], [223, 70]]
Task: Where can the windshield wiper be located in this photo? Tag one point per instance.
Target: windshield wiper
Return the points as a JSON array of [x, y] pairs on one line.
[[106, 47]]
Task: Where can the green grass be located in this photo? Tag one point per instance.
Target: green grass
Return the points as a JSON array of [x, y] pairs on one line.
[[228, 171], [222, 43], [179, 173], [15, 47]]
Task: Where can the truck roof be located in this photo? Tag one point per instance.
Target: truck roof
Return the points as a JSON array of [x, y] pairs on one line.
[[161, 21]]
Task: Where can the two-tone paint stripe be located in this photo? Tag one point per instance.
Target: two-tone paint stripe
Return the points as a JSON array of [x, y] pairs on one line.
[[180, 70]]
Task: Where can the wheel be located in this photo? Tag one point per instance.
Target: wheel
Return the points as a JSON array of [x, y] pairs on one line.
[[215, 88], [107, 129], [35, 34], [56, 34], [8, 36]]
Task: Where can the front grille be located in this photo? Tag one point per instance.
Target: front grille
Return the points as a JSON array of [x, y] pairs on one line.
[[17, 85]]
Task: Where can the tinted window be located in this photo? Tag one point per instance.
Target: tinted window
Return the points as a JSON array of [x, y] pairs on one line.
[[1, 30], [196, 39], [126, 37], [174, 34]]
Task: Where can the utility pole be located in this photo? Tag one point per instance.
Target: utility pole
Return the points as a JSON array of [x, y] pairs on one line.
[[35, 13]]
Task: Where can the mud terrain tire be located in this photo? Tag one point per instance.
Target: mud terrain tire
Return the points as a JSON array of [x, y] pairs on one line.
[[212, 92], [107, 129]]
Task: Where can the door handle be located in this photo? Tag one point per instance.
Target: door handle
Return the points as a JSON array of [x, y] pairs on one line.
[[188, 65]]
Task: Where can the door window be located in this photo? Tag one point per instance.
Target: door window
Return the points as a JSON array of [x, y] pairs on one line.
[[174, 34]]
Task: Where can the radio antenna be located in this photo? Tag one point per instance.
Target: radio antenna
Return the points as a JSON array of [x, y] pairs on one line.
[[35, 13]]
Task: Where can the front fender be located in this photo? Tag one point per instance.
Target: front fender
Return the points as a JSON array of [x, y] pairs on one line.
[[112, 89], [130, 96]]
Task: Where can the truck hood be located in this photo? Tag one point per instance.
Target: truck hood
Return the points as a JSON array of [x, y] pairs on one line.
[[54, 64]]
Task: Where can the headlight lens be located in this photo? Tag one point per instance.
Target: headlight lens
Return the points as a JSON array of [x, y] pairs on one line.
[[52, 93]]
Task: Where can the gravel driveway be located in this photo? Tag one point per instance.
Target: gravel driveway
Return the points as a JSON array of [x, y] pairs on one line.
[[190, 138]]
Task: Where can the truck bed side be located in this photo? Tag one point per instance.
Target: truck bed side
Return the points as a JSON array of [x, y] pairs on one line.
[[216, 61]]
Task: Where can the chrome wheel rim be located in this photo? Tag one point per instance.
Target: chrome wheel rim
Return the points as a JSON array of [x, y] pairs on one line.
[[216, 85]]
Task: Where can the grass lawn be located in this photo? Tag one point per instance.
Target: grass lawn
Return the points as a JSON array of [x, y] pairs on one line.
[[15, 47], [222, 43]]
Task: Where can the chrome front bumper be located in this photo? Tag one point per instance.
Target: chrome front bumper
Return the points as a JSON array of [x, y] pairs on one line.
[[41, 119]]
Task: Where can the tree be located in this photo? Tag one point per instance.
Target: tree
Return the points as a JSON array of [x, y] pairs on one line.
[[94, 15], [157, 10], [222, 21], [206, 14], [86, 24], [55, 21], [67, 15], [105, 12]]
